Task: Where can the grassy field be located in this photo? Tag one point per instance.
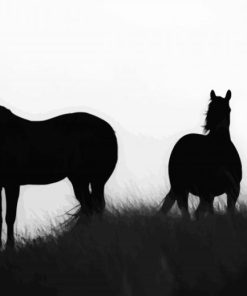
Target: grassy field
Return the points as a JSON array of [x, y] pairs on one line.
[[132, 252]]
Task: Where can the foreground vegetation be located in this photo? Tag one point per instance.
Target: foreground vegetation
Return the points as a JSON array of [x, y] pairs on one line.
[[132, 252]]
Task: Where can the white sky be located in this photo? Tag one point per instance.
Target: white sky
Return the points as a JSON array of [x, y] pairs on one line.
[[147, 66]]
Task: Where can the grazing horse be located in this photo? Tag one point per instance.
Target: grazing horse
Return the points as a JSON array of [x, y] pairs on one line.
[[79, 146], [206, 165]]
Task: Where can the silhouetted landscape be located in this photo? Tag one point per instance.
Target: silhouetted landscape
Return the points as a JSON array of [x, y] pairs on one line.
[[123, 148], [132, 251], [129, 250]]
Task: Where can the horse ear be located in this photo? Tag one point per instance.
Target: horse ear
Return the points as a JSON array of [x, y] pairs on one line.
[[212, 94], [228, 95]]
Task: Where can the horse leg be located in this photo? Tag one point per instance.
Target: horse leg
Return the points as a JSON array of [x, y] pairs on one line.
[[205, 205], [232, 192], [12, 194], [182, 201], [82, 193], [232, 196], [98, 200], [168, 202]]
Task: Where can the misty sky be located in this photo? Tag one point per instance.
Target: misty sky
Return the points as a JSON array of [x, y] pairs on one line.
[[147, 67]]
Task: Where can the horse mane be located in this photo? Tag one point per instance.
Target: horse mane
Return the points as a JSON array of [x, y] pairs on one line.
[[216, 112], [207, 125]]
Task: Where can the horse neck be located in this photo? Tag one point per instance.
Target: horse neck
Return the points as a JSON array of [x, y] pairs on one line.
[[222, 134]]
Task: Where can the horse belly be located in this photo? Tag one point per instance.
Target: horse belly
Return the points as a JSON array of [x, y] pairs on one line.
[[46, 170], [41, 178], [207, 186], [34, 169], [37, 175]]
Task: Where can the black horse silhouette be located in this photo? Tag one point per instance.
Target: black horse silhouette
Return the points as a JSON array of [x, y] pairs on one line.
[[206, 165], [79, 146]]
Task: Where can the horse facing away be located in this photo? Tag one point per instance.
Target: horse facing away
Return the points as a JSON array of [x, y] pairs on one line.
[[79, 146], [206, 165]]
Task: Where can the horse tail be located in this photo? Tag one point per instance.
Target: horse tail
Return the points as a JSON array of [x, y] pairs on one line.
[[167, 202]]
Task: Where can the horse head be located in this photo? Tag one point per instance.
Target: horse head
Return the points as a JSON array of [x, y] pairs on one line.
[[218, 114]]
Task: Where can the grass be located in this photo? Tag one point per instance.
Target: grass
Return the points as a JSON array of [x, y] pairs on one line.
[[135, 251]]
